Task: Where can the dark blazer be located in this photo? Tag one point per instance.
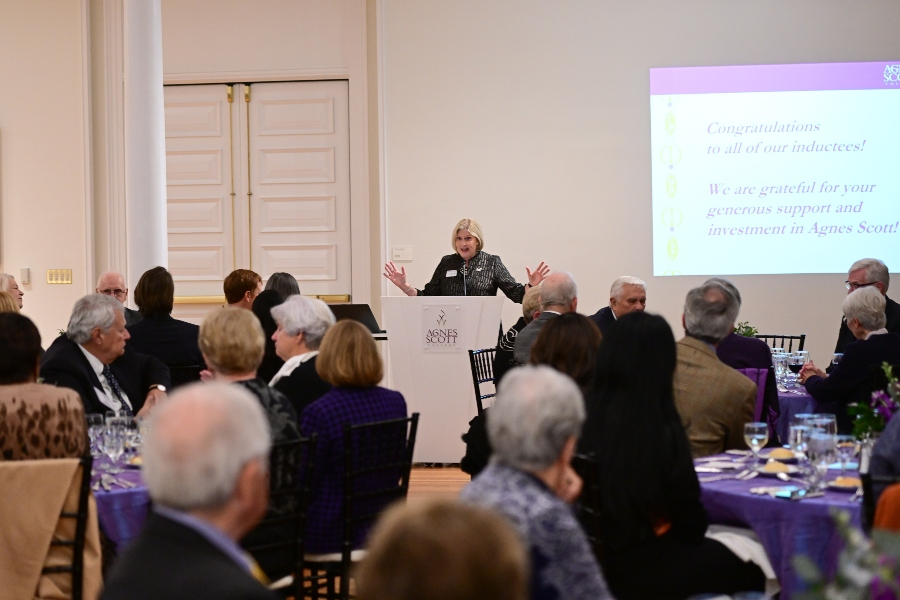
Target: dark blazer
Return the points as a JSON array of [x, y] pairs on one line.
[[891, 312], [303, 386], [741, 352], [528, 336], [171, 341], [851, 380], [603, 318], [169, 560], [65, 365], [483, 277], [132, 317]]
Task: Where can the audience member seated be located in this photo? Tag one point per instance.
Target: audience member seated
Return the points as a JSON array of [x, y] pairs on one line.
[[443, 550], [851, 379], [8, 303], [113, 284], [241, 287], [349, 361], [714, 400], [231, 341], [36, 420], [92, 359], [742, 352], [869, 272], [505, 357], [172, 341], [569, 344], [559, 295], [283, 283], [206, 468], [652, 521], [262, 308], [627, 294], [301, 325], [533, 428], [8, 284], [885, 461]]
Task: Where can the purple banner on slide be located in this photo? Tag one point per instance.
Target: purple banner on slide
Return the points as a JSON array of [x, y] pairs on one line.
[[775, 78]]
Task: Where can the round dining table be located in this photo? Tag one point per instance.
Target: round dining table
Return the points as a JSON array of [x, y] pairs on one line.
[[123, 501], [792, 401], [786, 528]]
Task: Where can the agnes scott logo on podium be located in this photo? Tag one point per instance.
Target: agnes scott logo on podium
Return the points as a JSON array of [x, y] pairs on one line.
[[440, 327], [892, 74]]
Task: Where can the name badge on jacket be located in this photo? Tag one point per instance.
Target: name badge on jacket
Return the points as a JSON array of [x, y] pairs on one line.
[[451, 273]]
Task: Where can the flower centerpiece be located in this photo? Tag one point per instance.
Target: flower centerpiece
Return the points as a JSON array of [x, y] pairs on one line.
[[745, 329], [871, 418]]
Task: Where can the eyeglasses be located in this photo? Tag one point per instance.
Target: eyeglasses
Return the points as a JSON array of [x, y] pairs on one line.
[[116, 292], [855, 286]]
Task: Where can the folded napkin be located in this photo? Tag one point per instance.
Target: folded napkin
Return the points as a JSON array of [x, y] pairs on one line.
[[745, 545]]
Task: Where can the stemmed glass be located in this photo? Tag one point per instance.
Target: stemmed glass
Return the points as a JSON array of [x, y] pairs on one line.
[[836, 358], [756, 435], [821, 454], [114, 438], [846, 450], [95, 431], [795, 363]]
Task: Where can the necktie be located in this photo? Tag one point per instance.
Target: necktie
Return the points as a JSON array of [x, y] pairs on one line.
[[114, 386]]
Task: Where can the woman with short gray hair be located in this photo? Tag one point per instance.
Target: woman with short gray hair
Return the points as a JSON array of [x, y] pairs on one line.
[[302, 323], [850, 380], [533, 428]]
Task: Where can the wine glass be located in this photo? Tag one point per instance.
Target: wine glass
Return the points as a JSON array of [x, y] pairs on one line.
[[846, 450], [756, 435], [113, 441], [795, 363], [827, 423], [836, 358], [95, 430], [821, 449]]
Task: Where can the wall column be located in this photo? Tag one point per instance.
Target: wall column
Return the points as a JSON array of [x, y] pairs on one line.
[[145, 139]]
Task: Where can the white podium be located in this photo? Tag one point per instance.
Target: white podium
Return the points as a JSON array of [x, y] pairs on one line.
[[428, 341]]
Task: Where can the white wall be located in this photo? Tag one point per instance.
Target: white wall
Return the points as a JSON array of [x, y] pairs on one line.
[[43, 159], [533, 118]]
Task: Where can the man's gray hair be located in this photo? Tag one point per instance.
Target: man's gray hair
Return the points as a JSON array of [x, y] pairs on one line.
[[867, 306], [309, 315], [619, 284], [536, 411], [710, 312], [727, 285], [90, 312], [5, 281], [198, 442], [559, 289], [876, 270]]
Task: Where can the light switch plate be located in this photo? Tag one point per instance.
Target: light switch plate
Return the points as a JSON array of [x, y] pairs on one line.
[[59, 276], [402, 253]]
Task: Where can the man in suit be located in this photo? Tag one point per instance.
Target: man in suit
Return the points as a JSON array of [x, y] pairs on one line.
[[92, 359], [741, 352], [241, 288], [864, 273], [714, 400], [559, 295], [627, 294], [206, 468], [113, 284]]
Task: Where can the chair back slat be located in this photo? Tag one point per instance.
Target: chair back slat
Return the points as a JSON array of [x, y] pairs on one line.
[[783, 341], [588, 505], [868, 499], [482, 365]]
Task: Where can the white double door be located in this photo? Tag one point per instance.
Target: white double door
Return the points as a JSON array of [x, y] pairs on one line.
[[258, 177]]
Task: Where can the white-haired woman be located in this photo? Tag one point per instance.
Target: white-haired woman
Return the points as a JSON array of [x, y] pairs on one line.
[[302, 323], [470, 271], [851, 379]]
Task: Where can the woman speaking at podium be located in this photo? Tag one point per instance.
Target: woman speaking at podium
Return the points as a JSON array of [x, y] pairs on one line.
[[470, 271]]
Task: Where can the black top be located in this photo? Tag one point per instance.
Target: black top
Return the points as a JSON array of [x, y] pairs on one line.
[[303, 386], [169, 560], [282, 417], [484, 275], [603, 318], [132, 317], [891, 312], [172, 341]]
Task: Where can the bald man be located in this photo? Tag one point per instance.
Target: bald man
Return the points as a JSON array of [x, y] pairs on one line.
[[113, 284]]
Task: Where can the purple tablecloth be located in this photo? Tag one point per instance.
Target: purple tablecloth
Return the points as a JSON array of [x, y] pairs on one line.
[[792, 404], [786, 528], [121, 511]]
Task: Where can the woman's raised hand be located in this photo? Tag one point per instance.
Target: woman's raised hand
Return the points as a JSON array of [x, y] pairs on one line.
[[397, 276], [537, 276]]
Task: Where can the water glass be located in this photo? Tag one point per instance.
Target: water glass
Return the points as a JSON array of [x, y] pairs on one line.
[[826, 423], [846, 450], [113, 440], [95, 431], [836, 358], [756, 435], [799, 439], [821, 449]]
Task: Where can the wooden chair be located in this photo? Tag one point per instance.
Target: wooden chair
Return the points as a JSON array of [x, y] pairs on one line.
[[587, 509], [782, 341], [276, 543], [482, 364], [378, 460]]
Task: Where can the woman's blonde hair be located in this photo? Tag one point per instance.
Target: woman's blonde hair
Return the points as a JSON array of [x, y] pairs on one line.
[[474, 228], [348, 356], [8, 303], [232, 340]]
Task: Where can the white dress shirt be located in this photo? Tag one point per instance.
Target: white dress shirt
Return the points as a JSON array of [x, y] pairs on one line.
[[106, 395]]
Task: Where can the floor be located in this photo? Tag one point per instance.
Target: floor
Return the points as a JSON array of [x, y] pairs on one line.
[[436, 482]]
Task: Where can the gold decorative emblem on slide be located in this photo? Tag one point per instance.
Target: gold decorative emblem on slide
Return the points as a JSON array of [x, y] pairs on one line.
[[670, 154], [672, 217], [671, 186], [671, 273], [672, 248], [670, 123]]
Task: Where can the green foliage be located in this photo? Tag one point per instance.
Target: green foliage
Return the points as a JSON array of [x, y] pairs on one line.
[[745, 329]]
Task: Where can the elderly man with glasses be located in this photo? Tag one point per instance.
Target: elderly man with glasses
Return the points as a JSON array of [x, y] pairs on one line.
[[113, 284], [869, 272]]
